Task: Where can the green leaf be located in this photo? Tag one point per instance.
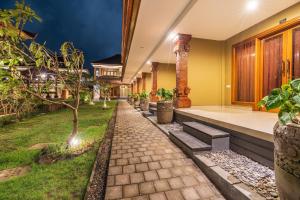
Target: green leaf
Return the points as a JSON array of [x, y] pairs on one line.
[[295, 84], [274, 101], [285, 117]]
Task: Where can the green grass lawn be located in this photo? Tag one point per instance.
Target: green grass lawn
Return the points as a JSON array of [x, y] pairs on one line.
[[65, 179]]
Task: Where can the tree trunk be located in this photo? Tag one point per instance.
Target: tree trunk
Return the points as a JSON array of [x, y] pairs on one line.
[[75, 119]]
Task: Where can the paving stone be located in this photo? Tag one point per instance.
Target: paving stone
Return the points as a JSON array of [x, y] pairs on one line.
[[141, 167], [127, 155], [112, 163], [110, 180], [137, 178], [176, 171], [158, 196], [161, 185], [164, 173], [190, 193], [145, 158], [134, 160], [122, 179], [128, 169], [176, 183], [122, 161], [150, 175], [204, 191], [174, 195], [114, 192], [115, 170], [189, 180], [146, 188], [154, 165], [166, 163], [145, 197], [131, 190]]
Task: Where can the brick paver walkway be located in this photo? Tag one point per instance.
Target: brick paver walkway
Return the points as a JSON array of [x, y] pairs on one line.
[[145, 164]]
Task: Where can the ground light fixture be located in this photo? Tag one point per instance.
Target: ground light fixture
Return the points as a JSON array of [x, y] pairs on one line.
[[43, 75], [74, 142], [252, 5]]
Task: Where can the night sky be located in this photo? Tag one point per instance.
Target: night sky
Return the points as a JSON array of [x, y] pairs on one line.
[[94, 26]]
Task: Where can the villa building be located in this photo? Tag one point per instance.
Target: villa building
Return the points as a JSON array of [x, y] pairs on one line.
[[109, 70], [220, 62]]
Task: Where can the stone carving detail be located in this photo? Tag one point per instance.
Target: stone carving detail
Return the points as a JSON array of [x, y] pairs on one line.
[[287, 148]]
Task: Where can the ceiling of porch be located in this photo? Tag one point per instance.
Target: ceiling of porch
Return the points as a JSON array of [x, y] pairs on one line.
[[208, 19]]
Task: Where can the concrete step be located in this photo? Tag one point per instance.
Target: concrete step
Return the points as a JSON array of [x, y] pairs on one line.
[[218, 139], [153, 110], [146, 113], [188, 143]]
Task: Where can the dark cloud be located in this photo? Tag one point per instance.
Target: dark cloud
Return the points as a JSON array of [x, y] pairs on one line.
[[92, 25]]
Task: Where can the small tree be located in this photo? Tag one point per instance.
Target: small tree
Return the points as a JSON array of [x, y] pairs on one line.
[[105, 89], [43, 68]]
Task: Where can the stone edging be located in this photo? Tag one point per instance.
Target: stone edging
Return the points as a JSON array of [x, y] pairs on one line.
[[97, 183], [229, 186]]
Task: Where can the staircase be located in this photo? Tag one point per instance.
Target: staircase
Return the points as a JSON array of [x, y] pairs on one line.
[[197, 137]]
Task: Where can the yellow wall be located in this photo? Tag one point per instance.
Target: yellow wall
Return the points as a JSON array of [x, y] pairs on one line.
[[209, 64], [289, 13], [166, 76], [148, 83], [205, 72]]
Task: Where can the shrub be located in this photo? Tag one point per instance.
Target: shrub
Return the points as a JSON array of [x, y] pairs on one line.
[[144, 95], [164, 94]]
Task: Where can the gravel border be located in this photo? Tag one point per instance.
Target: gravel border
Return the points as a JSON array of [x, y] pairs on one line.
[[258, 177], [97, 183]]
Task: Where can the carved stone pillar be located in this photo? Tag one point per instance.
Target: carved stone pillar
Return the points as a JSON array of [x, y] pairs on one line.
[[144, 75], [154, 98], [134, 87], [181, 49]]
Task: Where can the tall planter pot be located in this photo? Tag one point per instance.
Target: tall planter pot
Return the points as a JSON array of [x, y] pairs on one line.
[[136, 103], [144, 104], [287, 161], [164, 112]]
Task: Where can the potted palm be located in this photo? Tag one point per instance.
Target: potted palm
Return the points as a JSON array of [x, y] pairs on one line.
[[164, 106], [144, 101], [129, 99], [286, 137], [136, 100]]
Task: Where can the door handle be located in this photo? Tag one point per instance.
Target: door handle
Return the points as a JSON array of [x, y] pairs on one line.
[[288, 69], [283, 69]]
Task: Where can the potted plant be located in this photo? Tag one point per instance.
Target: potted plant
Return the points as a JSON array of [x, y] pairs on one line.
[[129, 98], [286, 137], [144, 101], [136, 100], [164, 106]]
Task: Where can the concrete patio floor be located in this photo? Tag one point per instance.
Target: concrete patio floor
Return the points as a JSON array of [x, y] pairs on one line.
[[145, 164]]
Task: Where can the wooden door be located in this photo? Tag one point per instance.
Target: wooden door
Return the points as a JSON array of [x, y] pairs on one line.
[[273, 74], [295, 63]]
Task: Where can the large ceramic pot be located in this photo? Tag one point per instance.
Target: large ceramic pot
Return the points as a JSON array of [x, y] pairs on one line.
[[136, 103], [144, 104], [164, 112], [287, 161]]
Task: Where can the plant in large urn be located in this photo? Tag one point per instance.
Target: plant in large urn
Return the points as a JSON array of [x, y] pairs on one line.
[[144, 101], [286, 138], [136, 100], [164, 106]]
